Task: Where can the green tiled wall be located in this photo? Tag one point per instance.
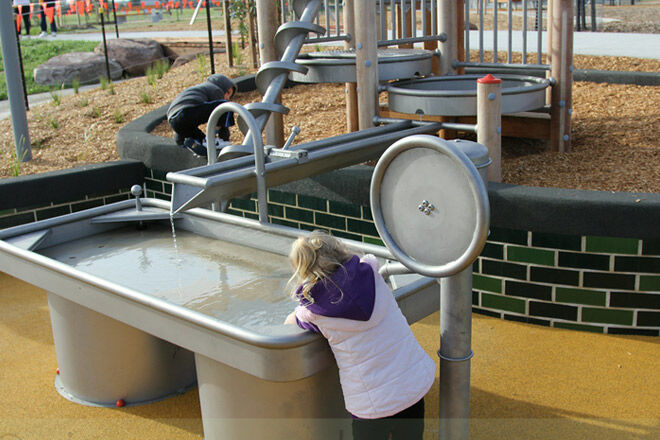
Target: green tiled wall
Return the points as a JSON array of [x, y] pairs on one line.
[[13, 217], [588, 283]]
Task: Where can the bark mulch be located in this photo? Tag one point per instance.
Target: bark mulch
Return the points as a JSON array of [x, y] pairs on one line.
[[615, 127]]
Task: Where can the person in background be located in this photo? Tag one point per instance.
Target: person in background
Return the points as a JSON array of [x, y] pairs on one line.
[[384, 372], [192, 108], [47, 13], [22, 8]]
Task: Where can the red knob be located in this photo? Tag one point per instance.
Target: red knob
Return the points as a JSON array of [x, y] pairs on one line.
[[489, 79], [120, 403]]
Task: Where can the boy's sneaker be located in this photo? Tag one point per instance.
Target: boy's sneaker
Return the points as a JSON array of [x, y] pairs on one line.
[[43, 34], [53, 35], [218, 143], [195, 147]]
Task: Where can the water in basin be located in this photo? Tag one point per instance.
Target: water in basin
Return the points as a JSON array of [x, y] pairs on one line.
[[233, 283]]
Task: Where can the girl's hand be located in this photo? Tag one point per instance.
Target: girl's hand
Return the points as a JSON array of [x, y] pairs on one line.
[[291, 319]]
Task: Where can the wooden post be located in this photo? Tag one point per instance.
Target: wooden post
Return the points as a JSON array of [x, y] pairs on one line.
[[489, 122], [548, 56], [352, 122], [447, 24], [562, 71], [431, 45], [252, 36], [228, 47], [366, 61], [401, 33], [267, 27], [460, 34]]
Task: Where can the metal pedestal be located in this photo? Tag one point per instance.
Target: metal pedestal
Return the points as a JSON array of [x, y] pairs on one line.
[[237, 405], [102, 360]]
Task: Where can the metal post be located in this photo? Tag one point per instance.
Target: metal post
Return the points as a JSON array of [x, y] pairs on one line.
[[266, 28], [352, 123], [447, 19], [114, 14], [20, 62], [366, 61], [208, 27], [455, 354], [489, 122], [13, 77], [105, 46]]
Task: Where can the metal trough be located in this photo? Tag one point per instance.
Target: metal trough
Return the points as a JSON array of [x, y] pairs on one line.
[[338, 66], [138, 316], [457, 95], [224, 180]]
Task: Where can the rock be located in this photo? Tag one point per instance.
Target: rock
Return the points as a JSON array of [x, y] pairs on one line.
[[86, 66], [134, 55]]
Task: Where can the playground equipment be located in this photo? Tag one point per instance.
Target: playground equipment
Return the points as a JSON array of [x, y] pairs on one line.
[[278, 364]]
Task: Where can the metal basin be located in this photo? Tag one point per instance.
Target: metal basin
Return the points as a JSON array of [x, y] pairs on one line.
[[130, 310], [457, 95], [338, 66]]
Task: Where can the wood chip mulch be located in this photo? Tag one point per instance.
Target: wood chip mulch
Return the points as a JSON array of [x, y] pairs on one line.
[[615, 127]]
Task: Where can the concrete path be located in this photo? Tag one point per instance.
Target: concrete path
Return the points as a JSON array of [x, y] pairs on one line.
[[584, 43]]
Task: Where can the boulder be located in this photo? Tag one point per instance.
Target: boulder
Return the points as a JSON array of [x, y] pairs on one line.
[[134, 55], [86, 66]]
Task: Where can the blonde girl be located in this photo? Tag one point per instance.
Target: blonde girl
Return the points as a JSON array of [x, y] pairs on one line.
[[384, 372]]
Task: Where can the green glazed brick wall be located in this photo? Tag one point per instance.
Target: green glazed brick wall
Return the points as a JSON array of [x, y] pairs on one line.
[[588, 283], [15, 217]]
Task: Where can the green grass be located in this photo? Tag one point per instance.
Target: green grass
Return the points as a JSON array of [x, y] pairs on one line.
[[36, 52]]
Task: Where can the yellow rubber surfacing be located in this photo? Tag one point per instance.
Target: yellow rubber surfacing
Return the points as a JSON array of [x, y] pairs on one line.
[[528, 382]]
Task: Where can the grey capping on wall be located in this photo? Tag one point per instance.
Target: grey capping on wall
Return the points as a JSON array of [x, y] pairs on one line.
[[134, 140], [63, 186], [555, 210]]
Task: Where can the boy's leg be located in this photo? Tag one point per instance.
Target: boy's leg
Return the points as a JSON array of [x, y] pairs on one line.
[[184, 123]]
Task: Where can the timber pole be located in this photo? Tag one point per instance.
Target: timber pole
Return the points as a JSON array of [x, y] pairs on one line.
[[562, 71], [266, 28], [366, 61], [352, 123]]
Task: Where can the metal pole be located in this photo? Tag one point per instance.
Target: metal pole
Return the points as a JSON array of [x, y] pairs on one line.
[[13, 77], [366, 61], [114, 14], [105, 45], [208, 27], [489, 122], [455, 353], [20, 62]]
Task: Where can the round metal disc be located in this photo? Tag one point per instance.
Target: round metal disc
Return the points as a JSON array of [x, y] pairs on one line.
[[430, 205]]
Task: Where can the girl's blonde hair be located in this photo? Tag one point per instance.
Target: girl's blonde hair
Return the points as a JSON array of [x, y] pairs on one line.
[[314, 258]]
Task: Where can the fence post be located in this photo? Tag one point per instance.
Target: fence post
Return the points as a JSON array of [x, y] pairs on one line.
[[366, 61], [562, 71]]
